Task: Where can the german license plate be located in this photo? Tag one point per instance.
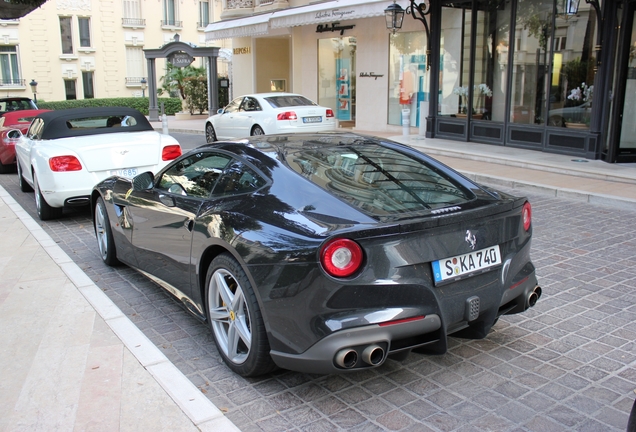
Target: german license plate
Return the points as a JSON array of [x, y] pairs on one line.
[[127, 172], [312, 119], [463, 265]]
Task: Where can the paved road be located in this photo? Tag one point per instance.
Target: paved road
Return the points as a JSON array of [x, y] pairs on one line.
[[569, 364]]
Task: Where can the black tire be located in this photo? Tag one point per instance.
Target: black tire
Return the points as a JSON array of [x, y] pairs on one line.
[[257, 130], [6, 169], [104, 234], [24, 186], [45, 211], [235, 319], [631, 422], [210, 134]]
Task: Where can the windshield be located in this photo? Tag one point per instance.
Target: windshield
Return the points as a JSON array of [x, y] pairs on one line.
[[378, 180]]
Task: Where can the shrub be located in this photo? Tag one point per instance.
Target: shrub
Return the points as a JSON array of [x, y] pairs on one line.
[[171, 105]]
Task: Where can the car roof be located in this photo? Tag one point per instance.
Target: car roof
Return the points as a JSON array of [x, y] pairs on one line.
[[56, 126]]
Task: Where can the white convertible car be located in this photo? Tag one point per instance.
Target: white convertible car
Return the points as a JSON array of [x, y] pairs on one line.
[[267, 114], [65, 153]]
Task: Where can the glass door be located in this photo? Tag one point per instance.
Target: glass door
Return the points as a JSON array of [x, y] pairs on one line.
[[337, 77], [627, 119]]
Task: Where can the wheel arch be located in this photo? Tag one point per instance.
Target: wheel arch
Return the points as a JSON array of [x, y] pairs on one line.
[[206, 259]]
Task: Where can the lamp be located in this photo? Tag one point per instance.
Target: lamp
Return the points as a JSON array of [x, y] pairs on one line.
[[394, 15], [571, 7], [34, 89], [144, 86]]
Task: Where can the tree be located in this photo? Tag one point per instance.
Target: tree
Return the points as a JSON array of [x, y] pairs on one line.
[[174, 81], [12, 9]]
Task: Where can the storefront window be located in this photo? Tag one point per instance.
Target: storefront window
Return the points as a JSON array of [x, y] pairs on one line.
[[408, 77], [573, 68], [491, 60], [337, 79], [533, 33], [454, 73]]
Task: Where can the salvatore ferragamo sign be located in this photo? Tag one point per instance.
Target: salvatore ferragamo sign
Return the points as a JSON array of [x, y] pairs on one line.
[[336, 14]]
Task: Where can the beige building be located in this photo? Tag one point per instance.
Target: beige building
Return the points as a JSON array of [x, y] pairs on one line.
[[77, 49]]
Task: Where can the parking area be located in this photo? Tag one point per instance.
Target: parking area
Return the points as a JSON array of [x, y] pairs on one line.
[[569, 364]]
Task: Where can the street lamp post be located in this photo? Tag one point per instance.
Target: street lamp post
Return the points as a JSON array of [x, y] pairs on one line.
[[144, 86], [34, 89]]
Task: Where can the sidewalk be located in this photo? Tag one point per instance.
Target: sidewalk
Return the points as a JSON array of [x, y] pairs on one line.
[[69, 358], [564, 176]]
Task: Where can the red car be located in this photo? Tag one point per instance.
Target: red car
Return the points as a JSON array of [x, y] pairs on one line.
[[9, 122]]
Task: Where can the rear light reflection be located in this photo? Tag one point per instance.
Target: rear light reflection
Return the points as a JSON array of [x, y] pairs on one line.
[[170, 152], [402, 321], [65, 163], [341, 257], [287, 115]]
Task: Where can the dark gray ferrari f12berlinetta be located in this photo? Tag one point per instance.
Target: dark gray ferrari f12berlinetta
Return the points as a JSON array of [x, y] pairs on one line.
[[322, 253]]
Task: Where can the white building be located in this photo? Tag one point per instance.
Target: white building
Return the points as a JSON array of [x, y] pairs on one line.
[[77, 49]]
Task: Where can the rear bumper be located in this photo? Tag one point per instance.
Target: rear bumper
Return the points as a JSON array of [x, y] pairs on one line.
[[321, 358]]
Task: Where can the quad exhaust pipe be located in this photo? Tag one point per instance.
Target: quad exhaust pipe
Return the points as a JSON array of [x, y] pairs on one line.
[[347, 358], [534, 296]]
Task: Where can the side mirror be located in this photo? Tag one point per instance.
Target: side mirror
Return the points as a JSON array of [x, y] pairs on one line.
[[14, 134], [220, 111], [143, 181]]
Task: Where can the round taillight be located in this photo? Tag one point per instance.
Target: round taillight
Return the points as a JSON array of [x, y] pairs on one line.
[[526, 213], [341, 257]]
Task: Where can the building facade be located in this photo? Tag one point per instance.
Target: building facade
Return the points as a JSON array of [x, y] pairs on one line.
[[556, 76], [80, 49]]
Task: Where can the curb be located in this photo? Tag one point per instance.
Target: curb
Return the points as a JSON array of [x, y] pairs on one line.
[[198, 408]]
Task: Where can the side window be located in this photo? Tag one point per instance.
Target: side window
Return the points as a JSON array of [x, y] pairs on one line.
[[238, 178], [195, 175], [250, 104], [234, 105], [35, 130]]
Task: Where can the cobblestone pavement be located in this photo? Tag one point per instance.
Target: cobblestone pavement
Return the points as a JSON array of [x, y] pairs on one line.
[[569, 364]]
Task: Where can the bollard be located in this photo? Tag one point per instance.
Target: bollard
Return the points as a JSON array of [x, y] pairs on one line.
[[423, 114], [406, 121], [164, 124]]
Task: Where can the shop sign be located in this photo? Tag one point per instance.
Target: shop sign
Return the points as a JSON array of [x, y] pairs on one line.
[[242, 50], [338, 14], [180, 59], [334, 27], [370, 75]]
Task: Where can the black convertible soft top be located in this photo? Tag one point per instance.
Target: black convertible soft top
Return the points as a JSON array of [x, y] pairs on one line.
[[92, 121]]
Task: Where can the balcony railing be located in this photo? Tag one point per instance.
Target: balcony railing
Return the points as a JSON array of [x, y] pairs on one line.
[[12, 83], [240, 4], [133, 22], [171, 23], [134, 81]]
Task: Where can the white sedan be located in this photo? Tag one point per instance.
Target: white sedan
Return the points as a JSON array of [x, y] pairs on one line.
[[267, 114], [65, 153]]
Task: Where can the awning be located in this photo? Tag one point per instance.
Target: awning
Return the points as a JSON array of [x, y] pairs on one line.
[[241, 27], [332, 11]]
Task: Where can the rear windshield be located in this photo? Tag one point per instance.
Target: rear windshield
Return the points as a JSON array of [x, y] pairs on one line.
[[289, 101], [378, 180], [104, 121]]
